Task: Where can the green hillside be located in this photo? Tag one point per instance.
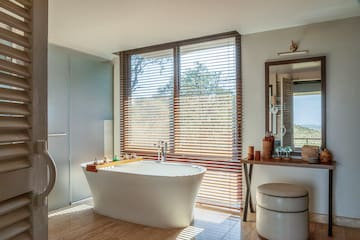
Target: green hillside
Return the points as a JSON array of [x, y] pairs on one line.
[[304, 135]]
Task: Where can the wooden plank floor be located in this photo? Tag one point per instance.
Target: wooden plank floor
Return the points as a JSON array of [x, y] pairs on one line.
[[80, 223]]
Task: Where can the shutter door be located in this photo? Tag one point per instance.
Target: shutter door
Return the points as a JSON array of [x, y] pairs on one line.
[[14, 86], [16, 116], [15, 107]]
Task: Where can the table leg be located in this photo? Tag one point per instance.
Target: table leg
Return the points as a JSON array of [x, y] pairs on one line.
[[252, 210], [247, 196], [330, 220]]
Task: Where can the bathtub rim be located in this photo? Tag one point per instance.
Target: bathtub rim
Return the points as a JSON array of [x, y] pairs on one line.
[[202, 170]]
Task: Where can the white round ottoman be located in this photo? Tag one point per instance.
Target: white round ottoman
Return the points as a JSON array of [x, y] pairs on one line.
[[282, 212]]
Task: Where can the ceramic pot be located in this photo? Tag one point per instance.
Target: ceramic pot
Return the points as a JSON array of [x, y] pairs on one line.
[[325, 156], [267, 149]]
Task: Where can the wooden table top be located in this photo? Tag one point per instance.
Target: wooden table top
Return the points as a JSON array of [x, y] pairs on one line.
[[290, 163]]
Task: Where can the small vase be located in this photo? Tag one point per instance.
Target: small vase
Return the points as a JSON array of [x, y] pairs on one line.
[[325, 156]]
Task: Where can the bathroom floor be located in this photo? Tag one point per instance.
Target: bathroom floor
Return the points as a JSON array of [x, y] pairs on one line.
[[80, 222]]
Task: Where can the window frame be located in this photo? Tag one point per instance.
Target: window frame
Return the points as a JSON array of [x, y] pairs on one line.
[[125, 71]]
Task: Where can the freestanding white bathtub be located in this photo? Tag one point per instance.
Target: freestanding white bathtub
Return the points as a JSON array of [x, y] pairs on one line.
[[147, 192]]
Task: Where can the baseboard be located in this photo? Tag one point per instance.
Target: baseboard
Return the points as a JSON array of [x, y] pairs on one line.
[[83, 201], [338, 220], [87, 201]]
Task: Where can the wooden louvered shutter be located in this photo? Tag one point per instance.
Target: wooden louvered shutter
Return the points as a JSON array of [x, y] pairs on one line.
[[23, 119]]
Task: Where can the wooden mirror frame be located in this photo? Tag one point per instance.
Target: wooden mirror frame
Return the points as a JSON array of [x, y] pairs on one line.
[[322, 60]]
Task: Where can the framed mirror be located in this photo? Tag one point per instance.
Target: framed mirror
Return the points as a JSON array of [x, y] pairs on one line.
[[295, 102]]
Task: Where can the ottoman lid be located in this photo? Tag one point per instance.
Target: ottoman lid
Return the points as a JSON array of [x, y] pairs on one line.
[[282, 197], [282, 190]]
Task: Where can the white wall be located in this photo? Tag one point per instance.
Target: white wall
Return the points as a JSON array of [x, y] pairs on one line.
[[339, 41]]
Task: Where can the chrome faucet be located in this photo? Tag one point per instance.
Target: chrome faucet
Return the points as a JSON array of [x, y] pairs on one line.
[[162, 149]]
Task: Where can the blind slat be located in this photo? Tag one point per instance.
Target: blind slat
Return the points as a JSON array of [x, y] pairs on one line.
[[26, 3], [14, 53], [13, 123], [13, 109], [13, 217], [13, 204], [14, 38], [13, 81], [16, 9], [14, 164], [10, 151], [14, 68], [14, 95], [13, 136], [15, 229], [14, 22]]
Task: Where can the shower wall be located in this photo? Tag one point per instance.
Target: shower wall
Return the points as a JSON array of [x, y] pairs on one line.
[[80, 100]]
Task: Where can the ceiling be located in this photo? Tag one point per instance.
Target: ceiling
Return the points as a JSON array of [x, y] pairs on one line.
[[101, 27]]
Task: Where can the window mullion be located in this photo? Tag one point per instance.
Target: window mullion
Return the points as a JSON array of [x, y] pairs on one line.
[[238, 101], [124, 76], [174, 112]]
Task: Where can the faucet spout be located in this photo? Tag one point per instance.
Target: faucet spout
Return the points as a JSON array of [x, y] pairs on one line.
[[162, 150]]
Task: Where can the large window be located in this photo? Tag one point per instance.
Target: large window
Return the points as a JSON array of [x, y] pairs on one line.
[[187, 94]]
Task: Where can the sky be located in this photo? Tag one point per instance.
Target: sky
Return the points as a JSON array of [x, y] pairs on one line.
[[307, 109]]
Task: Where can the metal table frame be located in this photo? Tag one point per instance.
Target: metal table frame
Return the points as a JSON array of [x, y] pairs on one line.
[[291, 163]]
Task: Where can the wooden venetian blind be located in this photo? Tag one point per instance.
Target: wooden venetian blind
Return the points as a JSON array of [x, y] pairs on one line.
[[206, 119], [149, 100], [15, 75], [189, 96]]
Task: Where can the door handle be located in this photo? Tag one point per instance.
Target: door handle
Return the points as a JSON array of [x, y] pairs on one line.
[[56, 134], [42, 149]]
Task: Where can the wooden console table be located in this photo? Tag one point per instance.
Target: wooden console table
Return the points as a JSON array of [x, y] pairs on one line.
[[287, 163]]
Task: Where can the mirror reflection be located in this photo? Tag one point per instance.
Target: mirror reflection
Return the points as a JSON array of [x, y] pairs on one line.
[[294, 103]]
